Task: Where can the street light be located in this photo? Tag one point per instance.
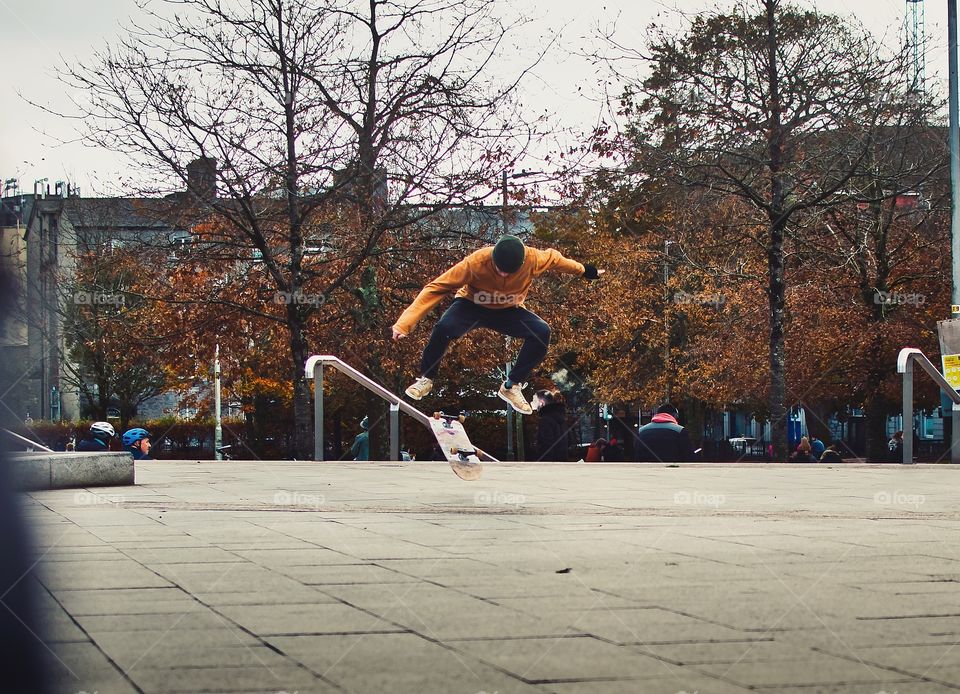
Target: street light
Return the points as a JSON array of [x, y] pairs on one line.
[[666, 316], [954, 141], [218, 429]]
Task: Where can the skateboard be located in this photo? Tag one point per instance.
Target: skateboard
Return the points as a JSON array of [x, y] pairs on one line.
[[462, 455]]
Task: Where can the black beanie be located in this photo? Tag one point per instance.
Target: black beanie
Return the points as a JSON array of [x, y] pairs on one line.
[[508, 253]]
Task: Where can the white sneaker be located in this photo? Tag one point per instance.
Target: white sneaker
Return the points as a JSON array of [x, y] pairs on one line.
[[419, 388], [514, 395]]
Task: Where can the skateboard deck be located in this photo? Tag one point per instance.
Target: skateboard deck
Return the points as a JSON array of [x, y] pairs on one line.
[[452, 438]]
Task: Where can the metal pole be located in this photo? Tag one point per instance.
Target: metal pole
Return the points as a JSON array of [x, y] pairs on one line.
[[666, 318], [908, 413], [503, 201], [509, 413], [318, 411], [954, 158], [521, 448], [955, 437], [394, 431], [32, 444], [218, 428], [503, 219]]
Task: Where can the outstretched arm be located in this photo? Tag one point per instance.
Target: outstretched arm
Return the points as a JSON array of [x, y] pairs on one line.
[[552, 260], [430, 296]]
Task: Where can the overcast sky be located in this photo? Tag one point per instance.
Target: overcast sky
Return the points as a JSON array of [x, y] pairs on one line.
[[39, 37]]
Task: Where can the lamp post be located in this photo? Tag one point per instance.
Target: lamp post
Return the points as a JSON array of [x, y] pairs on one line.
[[666, 317], [218, 428], [954, 159]]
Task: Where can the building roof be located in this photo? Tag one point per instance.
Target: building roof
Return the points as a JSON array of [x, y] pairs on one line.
[[112, 214], [119, 213]]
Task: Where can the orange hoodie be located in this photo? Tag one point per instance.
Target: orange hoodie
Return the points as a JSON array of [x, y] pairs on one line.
[[476, 278]]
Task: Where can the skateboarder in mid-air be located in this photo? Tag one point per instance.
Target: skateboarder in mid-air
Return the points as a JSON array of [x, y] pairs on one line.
[[491, 285]]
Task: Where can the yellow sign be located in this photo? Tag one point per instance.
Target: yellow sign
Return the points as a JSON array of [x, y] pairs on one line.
[[951, 369], [954, 309]]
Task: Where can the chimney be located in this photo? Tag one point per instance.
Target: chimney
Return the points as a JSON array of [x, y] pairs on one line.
[[202, 179]]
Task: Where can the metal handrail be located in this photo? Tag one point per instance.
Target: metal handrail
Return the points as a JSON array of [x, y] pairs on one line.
[[905, 361], [314, 369], [33, 444]]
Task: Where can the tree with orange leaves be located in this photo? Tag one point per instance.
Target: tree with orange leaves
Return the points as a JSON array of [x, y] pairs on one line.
[[271, 118]]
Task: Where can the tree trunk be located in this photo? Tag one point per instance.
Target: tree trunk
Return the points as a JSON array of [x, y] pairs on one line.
[[875, 413], [778, 380], [876, 407], [302, 390], [776, 287]]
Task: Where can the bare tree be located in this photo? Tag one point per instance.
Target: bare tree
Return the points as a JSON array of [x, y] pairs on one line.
[[284, 109], [779, 107]]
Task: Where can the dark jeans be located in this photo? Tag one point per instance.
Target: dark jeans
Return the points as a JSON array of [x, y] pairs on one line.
[[464, 316]]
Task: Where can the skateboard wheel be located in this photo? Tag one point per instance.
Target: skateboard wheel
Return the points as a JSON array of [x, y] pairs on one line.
[[462, 418], [436, 415], [454, 450]]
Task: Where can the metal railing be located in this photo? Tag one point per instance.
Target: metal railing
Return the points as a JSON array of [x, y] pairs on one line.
[[905, 361], [314, 369], [23, 439]]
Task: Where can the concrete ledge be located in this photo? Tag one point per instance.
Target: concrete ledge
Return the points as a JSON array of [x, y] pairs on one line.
[[33, 471]]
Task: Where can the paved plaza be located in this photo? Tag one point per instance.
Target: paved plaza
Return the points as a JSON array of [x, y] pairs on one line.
[[539, 578]]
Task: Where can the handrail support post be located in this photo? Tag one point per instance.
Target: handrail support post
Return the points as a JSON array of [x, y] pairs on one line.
[[955, 437], [907, 448], [394, 431], [318, 412]]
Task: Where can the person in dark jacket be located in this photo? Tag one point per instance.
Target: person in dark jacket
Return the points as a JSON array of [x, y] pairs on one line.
[[663, 439], [817, 447], [895, 446], [136, 441], [831, 454], [98, 440], [552, 427], [360, 450]]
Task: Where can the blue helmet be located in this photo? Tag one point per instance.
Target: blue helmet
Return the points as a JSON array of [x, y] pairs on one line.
[[131, 436]]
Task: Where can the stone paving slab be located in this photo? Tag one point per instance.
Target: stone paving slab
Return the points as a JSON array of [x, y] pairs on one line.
[[349, 577], [243, 678], [396, 663]]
